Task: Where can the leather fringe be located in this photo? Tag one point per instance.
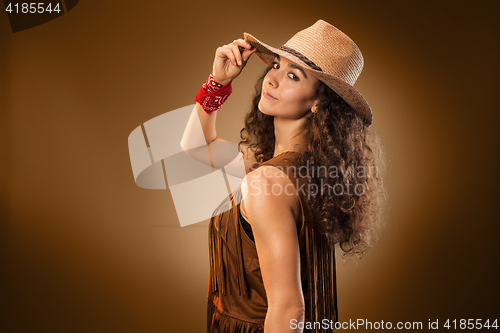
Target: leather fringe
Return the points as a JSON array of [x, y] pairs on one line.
[[219, 258], [239, 250], [220, 322], [321, 301]]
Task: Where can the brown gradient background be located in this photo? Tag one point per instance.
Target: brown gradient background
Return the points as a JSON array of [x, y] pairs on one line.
[[83, 249]]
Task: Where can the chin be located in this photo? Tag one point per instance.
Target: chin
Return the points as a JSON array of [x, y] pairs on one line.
[[264, 112], [261, 109]]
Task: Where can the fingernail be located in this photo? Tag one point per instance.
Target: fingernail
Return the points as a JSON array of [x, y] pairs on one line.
[[239, 62]]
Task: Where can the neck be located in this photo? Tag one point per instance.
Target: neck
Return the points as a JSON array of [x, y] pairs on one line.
[[288, 135]]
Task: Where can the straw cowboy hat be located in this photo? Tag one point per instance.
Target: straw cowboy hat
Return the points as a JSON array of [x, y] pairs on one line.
[[329, 54]]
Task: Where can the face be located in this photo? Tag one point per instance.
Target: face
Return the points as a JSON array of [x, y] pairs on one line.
[[287, 90]]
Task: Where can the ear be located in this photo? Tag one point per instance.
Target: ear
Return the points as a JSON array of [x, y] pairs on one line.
[[315, 106]]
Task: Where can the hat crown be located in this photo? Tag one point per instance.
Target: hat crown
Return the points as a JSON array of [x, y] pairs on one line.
[[328, 48]]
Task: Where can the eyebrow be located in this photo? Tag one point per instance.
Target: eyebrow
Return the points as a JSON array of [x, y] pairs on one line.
[[294, 66]]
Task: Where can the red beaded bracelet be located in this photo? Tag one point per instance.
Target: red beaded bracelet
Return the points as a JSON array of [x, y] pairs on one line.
[[212, 94]]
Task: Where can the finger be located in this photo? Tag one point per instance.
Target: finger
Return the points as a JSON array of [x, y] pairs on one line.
[[243, 46], [232, 57], [237, 53], [247, 53], [227, 52], [242, 43]]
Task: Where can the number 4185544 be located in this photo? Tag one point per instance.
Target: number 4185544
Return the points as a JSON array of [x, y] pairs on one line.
[[470, 324], [32, 8]]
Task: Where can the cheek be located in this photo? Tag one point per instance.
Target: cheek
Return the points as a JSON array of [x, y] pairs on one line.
[[299, 99]]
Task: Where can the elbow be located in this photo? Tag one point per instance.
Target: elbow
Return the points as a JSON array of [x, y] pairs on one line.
[[279, 318], [295, 314], [184, 147], [289, 303], [296, 307], [187, 142], [298, 312], [289, 310], [183, 144], [192, 148]]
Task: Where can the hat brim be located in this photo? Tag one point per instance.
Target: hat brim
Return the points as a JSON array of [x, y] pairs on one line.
[[346, 91]]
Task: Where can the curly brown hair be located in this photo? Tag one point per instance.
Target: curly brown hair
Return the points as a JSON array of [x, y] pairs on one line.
[[336, 137]]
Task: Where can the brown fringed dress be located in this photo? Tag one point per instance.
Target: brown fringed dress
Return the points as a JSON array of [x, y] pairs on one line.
[[237, 299]]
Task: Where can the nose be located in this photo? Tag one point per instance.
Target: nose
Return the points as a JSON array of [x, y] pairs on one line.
[[271, 78]]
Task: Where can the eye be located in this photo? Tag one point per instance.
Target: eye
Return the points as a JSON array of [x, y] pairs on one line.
[[275, 65], [293, 76]]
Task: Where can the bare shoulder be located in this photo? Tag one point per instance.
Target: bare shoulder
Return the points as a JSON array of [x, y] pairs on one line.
[[268, 189]]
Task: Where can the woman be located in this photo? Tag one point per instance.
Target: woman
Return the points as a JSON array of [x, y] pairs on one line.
[[311, 182]]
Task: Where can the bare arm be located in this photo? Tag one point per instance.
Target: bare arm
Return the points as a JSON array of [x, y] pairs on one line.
[[200, 134], [201, 142], [199, 131], [272, 205]]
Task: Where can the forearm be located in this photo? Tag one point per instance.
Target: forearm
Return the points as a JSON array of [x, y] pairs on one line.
[[283, 320], [200, 129], [228, 63]]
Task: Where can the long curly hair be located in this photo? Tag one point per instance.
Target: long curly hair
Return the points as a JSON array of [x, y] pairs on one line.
[[349, 206]]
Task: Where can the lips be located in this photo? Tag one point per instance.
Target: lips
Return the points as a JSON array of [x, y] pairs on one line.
[[268, 96]]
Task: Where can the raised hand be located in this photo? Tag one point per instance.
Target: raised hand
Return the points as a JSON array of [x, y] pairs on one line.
[[230, 60]]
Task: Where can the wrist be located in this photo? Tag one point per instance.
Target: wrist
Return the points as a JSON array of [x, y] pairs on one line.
[[213, 94], [222, 82]]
